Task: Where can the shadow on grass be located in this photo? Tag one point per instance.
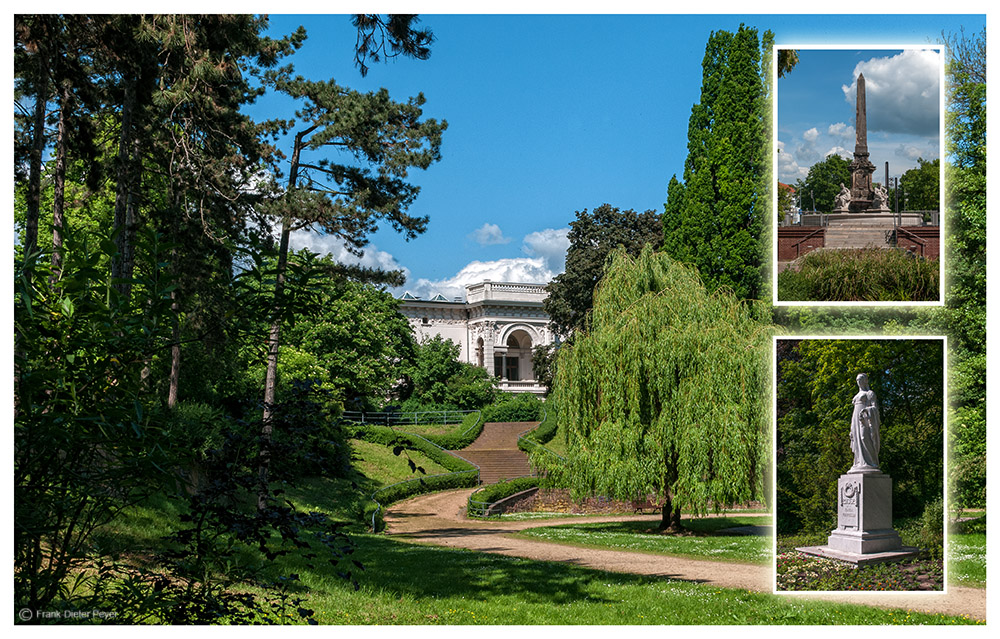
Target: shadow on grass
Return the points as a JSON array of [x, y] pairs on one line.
[[422, 571]]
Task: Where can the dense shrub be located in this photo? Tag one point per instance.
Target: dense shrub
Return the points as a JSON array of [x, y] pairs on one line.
[[515, 408], [860, 275], [932, 529], [195, 427]]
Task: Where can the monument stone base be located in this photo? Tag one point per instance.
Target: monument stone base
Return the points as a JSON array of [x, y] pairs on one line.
[[864, 531], [875, 219]]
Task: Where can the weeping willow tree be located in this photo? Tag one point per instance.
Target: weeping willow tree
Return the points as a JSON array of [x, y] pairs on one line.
[[665, 394]]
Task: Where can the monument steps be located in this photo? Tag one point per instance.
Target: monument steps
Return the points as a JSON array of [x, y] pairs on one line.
[[843, 238], [496, 453]]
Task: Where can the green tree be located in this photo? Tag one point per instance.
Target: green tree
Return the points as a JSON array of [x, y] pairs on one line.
[[965, 302], [359, 338], [439, 379], [822, 184], [815, 385], [592, 236], [719, 223], [666, 393], [351, 153], [921, 187]]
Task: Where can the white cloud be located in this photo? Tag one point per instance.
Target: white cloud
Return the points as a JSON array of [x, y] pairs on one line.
[[546, 248], [902, 92], [329, 244], [547, 258], [789, 170], [841, 151], [810, 135], [489, 234], [843, 132], [550, 245], [518, 269]]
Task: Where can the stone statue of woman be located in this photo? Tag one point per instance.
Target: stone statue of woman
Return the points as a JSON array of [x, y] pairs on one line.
[[865, 423], [843, 199]]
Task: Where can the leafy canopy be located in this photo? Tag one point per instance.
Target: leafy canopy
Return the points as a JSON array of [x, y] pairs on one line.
[[666, 393], [592, 237], [717, 219], [822, 183]]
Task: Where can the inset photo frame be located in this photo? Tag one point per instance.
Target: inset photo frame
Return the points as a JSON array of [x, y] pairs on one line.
[[859, 179], [860, 464]]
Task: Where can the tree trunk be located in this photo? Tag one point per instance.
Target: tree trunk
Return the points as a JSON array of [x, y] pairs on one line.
[[59, 188], [34, 202], [273, 339], [124, 220], [671, 517], [175, 353]]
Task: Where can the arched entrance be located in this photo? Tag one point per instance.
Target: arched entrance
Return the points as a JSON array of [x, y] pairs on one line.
[[513, 363]]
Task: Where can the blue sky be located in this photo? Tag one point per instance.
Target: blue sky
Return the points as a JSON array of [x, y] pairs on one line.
[[551, 114], [816, 108]]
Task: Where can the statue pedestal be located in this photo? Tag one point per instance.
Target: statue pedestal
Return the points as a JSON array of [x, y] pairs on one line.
[[864, 531]]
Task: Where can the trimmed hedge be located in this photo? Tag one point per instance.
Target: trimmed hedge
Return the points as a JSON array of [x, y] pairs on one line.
[[519, 408], [500, 490], [472, 426], [545, 431], [389, 437], [463, 475]]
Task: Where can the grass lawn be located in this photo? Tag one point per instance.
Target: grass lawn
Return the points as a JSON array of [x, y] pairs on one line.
[[378, 463], [701, 541], [433, 429], [405, 583], [414, 584], [967, 555]]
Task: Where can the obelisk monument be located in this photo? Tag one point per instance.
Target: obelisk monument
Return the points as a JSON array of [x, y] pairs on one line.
[[861, 167]]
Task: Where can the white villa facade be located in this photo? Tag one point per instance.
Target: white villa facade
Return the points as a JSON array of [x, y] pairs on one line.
[[497, 326]]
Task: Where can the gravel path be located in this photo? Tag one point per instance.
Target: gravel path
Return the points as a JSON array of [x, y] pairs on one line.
[[439, 519]]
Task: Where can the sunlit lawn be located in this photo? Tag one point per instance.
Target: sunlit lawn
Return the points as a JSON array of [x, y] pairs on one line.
[[379, 463], [404, 583], [701, 541]]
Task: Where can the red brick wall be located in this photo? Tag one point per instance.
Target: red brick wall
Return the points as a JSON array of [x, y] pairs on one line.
[[789, 236], [931, 236]]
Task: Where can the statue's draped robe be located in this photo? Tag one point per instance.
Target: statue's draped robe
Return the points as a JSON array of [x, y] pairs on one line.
[[865, 425]]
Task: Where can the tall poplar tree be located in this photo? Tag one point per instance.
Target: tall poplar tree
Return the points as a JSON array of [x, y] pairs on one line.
[[666, 393], [720, 223]]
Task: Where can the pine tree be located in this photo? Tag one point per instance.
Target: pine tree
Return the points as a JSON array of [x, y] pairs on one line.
[[720, 224], [345, 198]]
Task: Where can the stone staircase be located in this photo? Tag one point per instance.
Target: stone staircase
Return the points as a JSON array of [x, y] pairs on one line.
[[496, 453], [846, 238]]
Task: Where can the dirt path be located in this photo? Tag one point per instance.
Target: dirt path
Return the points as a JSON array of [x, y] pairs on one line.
[[439, 519]]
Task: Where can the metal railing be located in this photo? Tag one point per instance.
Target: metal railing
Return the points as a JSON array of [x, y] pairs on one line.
[[414, 418], [797, 245]]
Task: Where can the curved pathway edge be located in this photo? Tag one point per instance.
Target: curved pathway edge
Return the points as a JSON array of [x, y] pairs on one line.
[[439, 519]]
